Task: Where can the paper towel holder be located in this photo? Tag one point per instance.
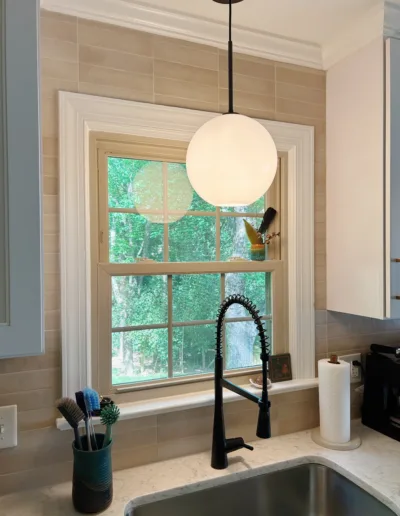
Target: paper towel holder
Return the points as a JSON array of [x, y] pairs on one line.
[[353, 444], [355, 440], [334, 359]]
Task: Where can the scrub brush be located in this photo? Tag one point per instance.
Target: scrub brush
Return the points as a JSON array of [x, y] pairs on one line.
[[109, 416], [80, 400], [73, 415], [92, 402]]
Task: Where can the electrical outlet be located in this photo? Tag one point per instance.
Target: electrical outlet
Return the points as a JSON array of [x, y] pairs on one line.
[[8, 427], [355, 371]]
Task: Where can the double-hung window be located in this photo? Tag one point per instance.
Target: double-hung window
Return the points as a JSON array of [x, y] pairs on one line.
[[163, 259], [142, 280]]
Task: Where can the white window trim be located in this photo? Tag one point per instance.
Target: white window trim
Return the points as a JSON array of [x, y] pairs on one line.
[[79, 116]]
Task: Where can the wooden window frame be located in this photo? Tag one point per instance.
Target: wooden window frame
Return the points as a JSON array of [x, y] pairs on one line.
[[104, 146], [80, 116]]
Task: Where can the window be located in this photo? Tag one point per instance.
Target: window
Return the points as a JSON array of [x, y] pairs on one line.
[[167, 259], [86, 280]]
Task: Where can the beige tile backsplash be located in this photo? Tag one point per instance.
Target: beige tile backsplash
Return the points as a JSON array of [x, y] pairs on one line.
[[185, 52], [88, 57]]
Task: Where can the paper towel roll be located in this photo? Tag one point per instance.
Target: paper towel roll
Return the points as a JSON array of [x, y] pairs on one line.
[[334, 401]]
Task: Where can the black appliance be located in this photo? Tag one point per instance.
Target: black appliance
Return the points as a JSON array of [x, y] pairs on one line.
[[381, 404]]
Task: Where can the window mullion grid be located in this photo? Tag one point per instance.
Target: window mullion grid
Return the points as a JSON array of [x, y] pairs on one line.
[[191, 213], [181, 324], [218, 214]]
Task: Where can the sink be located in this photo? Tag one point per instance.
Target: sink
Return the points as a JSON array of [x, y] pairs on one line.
[[306, 490]]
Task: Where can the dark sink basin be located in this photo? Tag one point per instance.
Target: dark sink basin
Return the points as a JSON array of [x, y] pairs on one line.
[[306, 490]]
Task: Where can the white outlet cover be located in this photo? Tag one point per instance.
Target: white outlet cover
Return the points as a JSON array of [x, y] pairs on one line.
[[354, 378], [8, 427]]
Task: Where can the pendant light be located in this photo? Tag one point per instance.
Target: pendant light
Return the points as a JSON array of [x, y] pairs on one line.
[[232, 159]]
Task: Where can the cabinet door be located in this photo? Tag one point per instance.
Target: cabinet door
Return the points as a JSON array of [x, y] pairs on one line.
[[393, 178], [355, 183], [21, 311]]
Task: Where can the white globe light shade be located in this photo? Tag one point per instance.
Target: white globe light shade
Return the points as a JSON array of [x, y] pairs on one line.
[[231, 160], [162, 188]]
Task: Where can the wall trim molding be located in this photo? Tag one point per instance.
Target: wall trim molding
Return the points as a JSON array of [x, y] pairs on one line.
[[380, 20], [82, 114], [138, 16], [354, 37]]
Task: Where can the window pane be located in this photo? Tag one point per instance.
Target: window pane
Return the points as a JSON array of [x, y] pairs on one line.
[[179, 192], [121, 174], [193, 350], [139, 300], [254, 285], [256, 207], [134, 183], [198, 204], [196, 297], [192, 239], [132, 236], [234, 241], [139, 356], [162, 193], [148, 191], [243, 344]]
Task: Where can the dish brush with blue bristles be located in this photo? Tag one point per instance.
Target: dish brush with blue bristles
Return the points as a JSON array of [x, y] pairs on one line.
[[86, 406], [92, 402]]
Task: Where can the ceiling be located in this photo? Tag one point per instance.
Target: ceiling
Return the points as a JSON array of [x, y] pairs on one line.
[[316, 21], [314, 33]]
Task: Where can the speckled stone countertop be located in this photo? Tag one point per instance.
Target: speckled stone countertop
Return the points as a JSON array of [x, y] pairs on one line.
[[375, 467]]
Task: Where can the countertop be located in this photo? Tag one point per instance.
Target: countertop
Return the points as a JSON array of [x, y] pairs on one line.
[[375, 466]]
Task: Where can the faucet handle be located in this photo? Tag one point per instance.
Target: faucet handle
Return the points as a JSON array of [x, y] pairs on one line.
[[248, 447], [236, 443]]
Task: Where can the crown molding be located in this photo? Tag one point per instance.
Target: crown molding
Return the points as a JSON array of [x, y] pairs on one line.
[[383, 20], [138, 16], [354, 37]]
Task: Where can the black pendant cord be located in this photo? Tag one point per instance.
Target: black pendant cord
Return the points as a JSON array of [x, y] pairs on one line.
[[230, 60]]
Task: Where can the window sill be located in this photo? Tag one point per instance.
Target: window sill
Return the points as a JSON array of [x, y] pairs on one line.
[[196, 400]]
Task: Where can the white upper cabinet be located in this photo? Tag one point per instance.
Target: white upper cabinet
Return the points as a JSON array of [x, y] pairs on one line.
[[21, 304], [363, 182]]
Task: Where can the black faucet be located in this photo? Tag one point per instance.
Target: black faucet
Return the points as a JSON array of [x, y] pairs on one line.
[[220, 445]]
